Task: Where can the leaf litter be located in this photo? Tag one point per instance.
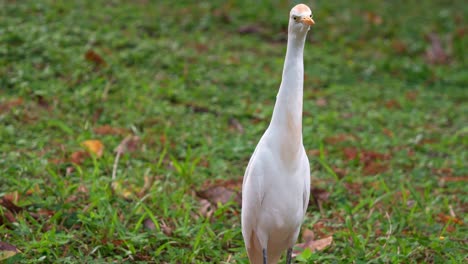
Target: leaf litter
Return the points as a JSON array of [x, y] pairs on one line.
[[310, 243]]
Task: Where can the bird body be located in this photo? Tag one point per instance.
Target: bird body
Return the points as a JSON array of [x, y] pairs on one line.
[[276, 186]]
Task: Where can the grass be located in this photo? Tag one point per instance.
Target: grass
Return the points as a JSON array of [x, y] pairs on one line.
[[385, 130]]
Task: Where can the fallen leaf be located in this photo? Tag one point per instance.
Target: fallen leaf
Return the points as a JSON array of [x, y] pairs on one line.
[[97, 114], [435, 53], [12, 197], [449, 219], [399, 46], [387, 132], [455, 179], [7, 105], [411, 95], [10, 205], [78, 157], [354, 188], [95, 58], [9, 217], [149, 224], [374, 168], [42, 102], [316, 152], [443, 171], [234, 124], [339, 138], [219, 194], [320, 194], [233, 184], [367, 156], [94, 146], [310, 243], [7, 251], [308, 235], [206, 208], [372, 162], [129, 144], [392, 104], [321, 102], [350, 153], [373, 18], [167, 230], [109, 130], [339, 172], [201, 48]]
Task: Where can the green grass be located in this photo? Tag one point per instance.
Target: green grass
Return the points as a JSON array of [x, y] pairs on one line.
[[177, 74]]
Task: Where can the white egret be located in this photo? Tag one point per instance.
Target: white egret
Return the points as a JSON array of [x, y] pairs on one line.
[[276, 186]]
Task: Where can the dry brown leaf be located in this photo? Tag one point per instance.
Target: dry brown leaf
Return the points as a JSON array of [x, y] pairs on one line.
[[7, 105], [129, 144], [10, 205], [95, 58], [149, 224], [339, 172], [411, 95], [350, 153], [233, 184], [308, 235], [373, 162], [235, 125], [339, 138], [449, 219], [387, 132], [373, 168], [219, 194], [7, 251], [399, 46], [316, 152], [206, 209], [167, 230], [435, 53], [13, 196], [310, 243], [368, 156], [373, 18], [9, 218], [392, 104], [78, 157], [321, 102], [320, 194], [94, 146], [443, 171], [455, 179], [354, 188]]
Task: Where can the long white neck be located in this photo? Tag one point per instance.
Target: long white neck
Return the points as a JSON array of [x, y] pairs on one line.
[[286, 121]]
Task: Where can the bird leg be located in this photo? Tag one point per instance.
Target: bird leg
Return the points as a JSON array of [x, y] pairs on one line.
[[264, 257], [288, 256]]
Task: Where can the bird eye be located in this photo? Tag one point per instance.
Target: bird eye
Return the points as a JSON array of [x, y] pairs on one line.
[[295, 18], [311, 16]]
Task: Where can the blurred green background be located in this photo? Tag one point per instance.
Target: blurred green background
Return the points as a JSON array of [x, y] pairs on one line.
[[385, 125]]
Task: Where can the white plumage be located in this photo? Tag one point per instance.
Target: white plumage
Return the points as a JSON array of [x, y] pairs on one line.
[[276, 186]]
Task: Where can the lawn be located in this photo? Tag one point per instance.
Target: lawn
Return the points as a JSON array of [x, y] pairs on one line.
[[126, 127]]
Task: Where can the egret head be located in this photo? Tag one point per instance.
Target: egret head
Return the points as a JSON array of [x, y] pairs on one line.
[[300, 19]]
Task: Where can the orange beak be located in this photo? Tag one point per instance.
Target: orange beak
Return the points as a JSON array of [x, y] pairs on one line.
[[308, 21]]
